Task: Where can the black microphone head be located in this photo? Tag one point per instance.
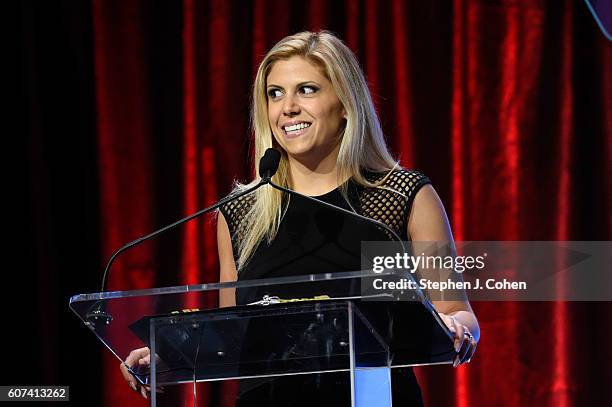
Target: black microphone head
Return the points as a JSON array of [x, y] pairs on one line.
[[269, 163]]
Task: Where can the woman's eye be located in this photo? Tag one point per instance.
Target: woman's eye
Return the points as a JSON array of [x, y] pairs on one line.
[[274, 93], [307, 90]]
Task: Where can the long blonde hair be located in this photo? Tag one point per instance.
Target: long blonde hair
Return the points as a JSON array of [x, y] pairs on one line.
[[362, 147]]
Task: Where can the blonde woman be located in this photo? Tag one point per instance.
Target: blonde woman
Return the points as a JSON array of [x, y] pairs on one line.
[[311, 102]]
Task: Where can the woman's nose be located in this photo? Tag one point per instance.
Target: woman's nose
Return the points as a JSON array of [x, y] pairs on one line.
[[290, 107]]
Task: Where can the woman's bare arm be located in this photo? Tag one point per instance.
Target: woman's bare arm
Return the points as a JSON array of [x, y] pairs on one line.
[[428, 223]]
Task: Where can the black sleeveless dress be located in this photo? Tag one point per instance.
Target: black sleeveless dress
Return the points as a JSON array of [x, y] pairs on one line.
[[315, 239]]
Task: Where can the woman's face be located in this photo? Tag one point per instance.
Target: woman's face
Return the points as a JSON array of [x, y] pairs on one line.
[[304, 111]]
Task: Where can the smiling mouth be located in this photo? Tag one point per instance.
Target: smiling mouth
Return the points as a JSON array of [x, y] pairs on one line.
[[296, 129]]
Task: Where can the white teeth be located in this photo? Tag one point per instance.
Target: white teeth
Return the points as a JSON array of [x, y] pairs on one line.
[[295, 127]]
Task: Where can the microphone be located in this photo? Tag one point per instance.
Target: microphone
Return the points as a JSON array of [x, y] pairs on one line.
[[268, 165]]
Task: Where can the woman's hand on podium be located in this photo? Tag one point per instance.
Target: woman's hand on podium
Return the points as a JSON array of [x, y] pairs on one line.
[[137, 357], [465, 343]]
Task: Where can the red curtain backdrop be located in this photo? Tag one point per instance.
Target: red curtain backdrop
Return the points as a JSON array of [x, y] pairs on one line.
[[502, 103]]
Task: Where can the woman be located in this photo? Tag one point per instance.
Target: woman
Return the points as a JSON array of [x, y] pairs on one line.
[[312, 103]]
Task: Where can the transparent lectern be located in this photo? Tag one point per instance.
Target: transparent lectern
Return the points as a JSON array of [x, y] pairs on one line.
[[349, 321]]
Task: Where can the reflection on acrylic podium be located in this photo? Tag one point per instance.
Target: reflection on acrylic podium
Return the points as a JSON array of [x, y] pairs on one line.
[[337, 323]]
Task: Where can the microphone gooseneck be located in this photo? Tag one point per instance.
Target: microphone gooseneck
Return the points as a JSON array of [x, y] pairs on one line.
[[268, 165], [392, 232], [382, 225]]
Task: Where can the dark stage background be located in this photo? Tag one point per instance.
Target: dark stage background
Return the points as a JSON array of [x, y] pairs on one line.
[[134, 113]]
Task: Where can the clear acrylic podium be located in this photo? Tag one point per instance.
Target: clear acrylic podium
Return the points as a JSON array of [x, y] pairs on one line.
[[338, 322]]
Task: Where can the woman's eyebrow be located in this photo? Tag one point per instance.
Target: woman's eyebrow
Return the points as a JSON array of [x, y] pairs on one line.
[[297, 85]]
